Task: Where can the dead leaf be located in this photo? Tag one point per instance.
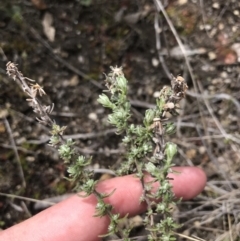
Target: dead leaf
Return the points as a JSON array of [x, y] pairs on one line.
[[236, 47], [226, 55], [48, 29], [3, 113], [191, 153], [39, 4], [74, 81], [182, 2], [136, 221], [133, 18], [2, 128]]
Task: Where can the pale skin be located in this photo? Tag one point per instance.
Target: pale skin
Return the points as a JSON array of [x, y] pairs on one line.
[[72, 219]]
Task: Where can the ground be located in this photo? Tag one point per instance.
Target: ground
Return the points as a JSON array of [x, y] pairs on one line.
[[67, 46]]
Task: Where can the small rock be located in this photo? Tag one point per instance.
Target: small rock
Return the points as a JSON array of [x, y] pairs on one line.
[[156, 94], [155, 62], [93, 116], [212, 55], [216, 5]]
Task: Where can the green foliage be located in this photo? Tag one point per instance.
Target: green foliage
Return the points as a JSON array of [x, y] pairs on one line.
[[146, 150], [16, 14], [85, 3]]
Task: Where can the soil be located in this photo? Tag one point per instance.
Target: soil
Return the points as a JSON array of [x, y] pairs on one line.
[[67, 46]]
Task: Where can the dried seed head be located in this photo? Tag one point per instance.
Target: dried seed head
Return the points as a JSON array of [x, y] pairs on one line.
[[180, 79], [116, 71], [156, 119], [179, 86], [169, 105], [36, 88], [12, 70], [32, 91]]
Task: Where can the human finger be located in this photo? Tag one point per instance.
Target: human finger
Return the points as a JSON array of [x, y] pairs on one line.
[[73, 219]]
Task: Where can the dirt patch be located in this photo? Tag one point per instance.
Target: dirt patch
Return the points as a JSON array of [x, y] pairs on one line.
[[67, 46]]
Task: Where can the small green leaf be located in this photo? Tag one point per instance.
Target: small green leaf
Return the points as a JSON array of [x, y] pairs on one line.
[[160, 103], [104, 100], [122, 84], [170, 129], [171, 150], [149, 116], [150, 167]]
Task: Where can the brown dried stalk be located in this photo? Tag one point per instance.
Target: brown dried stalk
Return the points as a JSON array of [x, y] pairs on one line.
[[32, 91]]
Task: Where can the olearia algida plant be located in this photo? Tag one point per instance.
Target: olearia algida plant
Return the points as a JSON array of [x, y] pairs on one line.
[[146, 149]]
